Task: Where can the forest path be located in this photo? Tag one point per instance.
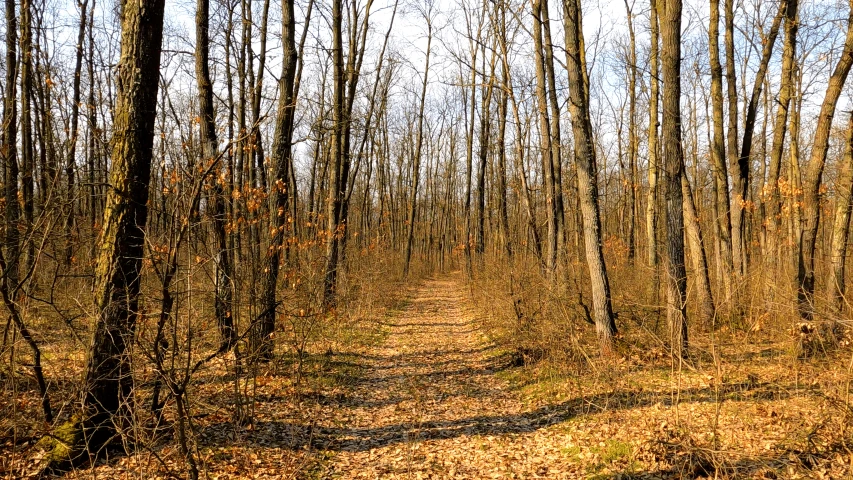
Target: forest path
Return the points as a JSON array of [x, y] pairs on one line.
[[431, 406]]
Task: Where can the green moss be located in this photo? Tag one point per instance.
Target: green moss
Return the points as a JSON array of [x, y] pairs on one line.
[[615, 450], [571, 453], [63, 446]]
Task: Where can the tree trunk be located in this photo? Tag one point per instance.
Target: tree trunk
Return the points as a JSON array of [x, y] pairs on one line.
[[556, 155], [333, 200], [10, 150], [723, 226], [674, 169], [841, 225], [71, 161], [108, 382], [483, 157], [282, 160], [501, 171], [697, 253], [741, 205], [27, 160], [605, 323], [416, 167], [633, 140], [91, 149], [814, 174], [210, 153], [731, 140], [545, 140], [780, 128]]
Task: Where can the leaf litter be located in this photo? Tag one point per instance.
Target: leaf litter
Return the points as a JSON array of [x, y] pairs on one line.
[[438, 399]]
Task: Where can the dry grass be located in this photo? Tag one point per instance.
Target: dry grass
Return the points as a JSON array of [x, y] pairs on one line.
[[760, 396]]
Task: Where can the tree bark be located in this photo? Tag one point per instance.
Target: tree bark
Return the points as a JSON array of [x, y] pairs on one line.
[[10, 149], [674, 169], [333, 201], [741, 204], [693, 232], [633, 140], [780, 129], [416, 167], [731, 140], [282, 160], [71, 161], [223, 309], [653, 167], [605, 323], [723, 226], [26, 134], [841, 225], [814, 175], [108, 383], [545, 140]]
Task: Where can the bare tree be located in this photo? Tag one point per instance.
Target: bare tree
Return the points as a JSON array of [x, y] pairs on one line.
[[652, 147], [605, 323], [814, 175], [841, 224], [427, 12], [108, 383], [723, 227], [674, 169], [210, 153]]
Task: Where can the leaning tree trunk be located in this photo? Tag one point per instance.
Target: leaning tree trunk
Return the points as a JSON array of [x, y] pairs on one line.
[[780, 129], [814, 174], [741, 205], [605, 323], [108, 382], [674, 169], [841, 225]]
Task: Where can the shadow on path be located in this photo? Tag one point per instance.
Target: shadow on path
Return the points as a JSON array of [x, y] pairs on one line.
[[296, 436]]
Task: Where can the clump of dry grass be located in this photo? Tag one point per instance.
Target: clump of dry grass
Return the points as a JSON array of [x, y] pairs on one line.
[[761, 395]]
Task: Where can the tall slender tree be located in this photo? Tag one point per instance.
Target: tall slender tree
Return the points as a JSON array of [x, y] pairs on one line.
[[841, 224], [674, 169], [224, 295], [605, 323], [780, 129], [9, 150], [723, 227], [814, 175], [427, 12], [280, 183]]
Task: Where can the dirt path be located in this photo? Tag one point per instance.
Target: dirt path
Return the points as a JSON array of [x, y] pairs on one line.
[[431, 405]]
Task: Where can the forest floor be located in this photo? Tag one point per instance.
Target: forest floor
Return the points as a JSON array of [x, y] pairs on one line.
[[440, 400], [426, 393]]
